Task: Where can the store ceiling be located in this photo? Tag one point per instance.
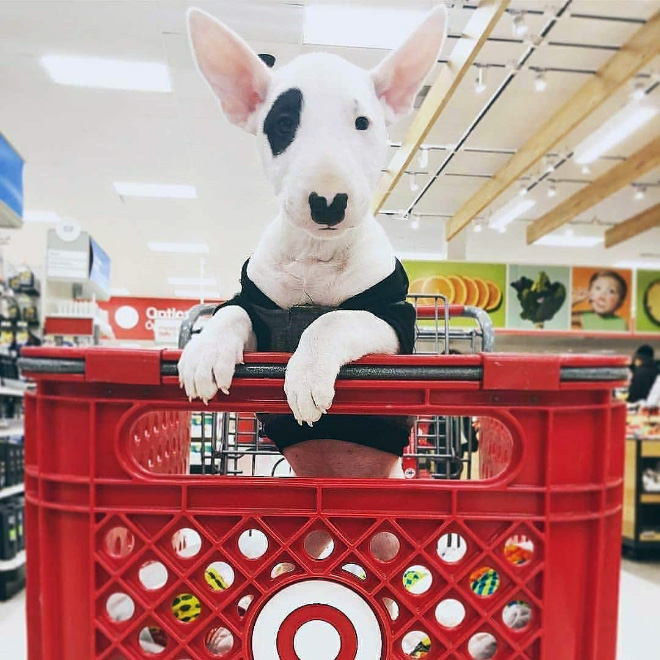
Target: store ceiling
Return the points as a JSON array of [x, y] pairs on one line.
[[78, 141]]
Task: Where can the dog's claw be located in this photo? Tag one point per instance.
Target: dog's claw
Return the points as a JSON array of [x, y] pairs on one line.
[[225, 390]]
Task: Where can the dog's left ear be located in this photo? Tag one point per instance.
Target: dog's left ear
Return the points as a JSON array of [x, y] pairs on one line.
[[398, 78], [233, 70]]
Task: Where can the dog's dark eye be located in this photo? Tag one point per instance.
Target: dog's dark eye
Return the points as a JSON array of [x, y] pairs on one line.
[[362, 123], [285, 124]]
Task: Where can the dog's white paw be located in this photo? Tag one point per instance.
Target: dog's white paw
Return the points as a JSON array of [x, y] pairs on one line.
[[207, 365], [309, 387]]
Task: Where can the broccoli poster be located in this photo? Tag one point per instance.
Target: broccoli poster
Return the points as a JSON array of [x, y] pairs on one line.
[[538, 297], [648, 301], [479, 285]]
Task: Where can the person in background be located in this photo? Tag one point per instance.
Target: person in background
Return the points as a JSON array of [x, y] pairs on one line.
[[644, 373]]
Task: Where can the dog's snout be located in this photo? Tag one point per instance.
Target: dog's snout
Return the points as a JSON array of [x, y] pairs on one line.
[[328, 214]]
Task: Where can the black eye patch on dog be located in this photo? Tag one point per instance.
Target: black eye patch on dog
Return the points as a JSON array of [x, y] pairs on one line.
[[282, 121]]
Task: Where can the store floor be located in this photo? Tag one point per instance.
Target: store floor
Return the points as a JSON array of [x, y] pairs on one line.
[[638, 622]]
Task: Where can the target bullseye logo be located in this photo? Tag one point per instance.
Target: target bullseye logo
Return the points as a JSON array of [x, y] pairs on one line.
[[316, 620]]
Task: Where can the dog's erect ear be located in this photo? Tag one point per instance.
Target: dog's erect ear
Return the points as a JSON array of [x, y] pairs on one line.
[[236, 75], [398, 78]]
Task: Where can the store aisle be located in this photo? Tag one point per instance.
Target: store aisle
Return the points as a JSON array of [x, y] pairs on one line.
[[638, 635]]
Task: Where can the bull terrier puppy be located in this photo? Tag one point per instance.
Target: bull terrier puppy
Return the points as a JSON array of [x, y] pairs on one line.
[[323, 282]]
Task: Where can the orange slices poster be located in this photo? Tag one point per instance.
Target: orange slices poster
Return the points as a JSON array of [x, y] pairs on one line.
[[479, 285]]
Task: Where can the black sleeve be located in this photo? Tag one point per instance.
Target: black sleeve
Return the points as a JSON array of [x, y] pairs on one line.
[[249, 296], [387, 301], [401, 316]]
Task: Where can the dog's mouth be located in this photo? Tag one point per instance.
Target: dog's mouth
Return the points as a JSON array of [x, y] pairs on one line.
[[328, 229]]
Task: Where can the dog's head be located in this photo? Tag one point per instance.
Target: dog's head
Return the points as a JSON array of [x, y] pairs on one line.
[[321, 121]]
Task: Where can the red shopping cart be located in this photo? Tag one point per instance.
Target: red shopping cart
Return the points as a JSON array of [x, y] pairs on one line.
[[130, 557]]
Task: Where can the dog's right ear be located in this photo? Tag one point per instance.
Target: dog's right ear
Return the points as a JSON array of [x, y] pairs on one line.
[[236, 75]]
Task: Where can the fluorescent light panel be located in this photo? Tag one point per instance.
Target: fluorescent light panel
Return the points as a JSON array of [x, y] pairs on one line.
[[183, 248], [192, 281], [510, 211], [638, 264], [614, 131], [196, 293], [41, 216], [134, 189], [107, 73], [344, 25], [567, 240]]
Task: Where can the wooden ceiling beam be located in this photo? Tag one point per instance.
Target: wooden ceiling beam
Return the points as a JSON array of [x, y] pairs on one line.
[[643, 46], [641, 162], [633, 226], [474, 36]]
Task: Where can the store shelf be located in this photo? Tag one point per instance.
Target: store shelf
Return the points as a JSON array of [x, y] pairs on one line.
[[576, 334], [9, 491], [650, 498], [13, 387], [19, 560], [15, 427]]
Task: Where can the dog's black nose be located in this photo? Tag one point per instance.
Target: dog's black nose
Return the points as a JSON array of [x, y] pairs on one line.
[[328, 214]]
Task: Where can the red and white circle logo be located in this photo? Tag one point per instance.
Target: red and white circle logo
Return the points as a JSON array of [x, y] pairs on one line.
[[316, 620]]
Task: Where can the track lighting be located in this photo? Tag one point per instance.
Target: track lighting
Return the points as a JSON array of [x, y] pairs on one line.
[[414, 222], [540, 83], [639, 91], [520, 28], [480, 83], [640, 192], [552, 190], [414, 186], [423, 158]]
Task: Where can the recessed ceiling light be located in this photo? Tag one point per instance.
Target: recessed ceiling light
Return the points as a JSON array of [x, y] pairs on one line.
[[192, 281], [365, 27], [119, 291], [41, 216], [187, 248], [567, 240], [107, 73], [615, 130], [196, 293], [134, 189]]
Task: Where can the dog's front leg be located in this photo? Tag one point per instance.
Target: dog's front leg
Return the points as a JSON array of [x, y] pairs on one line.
[[208, 361], [333, 340]]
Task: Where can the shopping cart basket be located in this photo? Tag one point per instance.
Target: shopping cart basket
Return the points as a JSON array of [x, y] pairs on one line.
[[130, 558]]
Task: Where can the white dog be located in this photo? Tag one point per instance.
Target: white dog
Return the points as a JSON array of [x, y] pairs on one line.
[[321, 127]]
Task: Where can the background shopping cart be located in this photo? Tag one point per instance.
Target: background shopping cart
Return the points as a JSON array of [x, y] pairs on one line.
[[440, 447]]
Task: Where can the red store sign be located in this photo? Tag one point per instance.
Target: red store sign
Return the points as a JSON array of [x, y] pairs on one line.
[[134, 318]]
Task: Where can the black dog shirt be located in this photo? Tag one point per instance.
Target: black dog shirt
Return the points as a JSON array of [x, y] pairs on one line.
[[280, 329]]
